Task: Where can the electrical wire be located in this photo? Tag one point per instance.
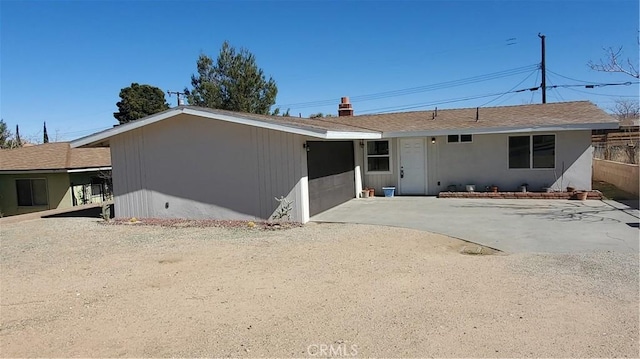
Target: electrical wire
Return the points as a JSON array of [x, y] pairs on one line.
[[426, 104], [599, 94], [535, 83], [556, 93], [418, 89], [446, 101], [567, 77], [511, 89]]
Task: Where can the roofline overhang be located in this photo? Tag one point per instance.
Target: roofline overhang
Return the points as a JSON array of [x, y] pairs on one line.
[[501, 130], [57, 170], [103, 136]]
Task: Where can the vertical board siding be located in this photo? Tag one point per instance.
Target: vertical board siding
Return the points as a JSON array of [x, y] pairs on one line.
[[130, 198], [207, 168], [281, 155]]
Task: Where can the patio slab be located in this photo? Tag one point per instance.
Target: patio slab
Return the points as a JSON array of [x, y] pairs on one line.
[[510, 225]]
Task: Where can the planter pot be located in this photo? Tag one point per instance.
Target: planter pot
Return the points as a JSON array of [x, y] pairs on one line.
[[372, 192], [523, 188], [470, 187], [494, 189], [365, 193], [583, 195], [389, 191]]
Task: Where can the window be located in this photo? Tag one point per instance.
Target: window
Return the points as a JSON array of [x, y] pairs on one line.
[[537, 151], [459, 138], [378, 156], [32, 192]]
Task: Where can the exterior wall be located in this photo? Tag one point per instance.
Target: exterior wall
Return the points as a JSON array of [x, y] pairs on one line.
[[622, 175], [485, 162], [58, 190], [187, 167], [376, 181]]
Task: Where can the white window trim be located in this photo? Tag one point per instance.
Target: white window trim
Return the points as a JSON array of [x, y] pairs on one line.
[[555, 153], [46, 183], [460, 138], [366, 158]]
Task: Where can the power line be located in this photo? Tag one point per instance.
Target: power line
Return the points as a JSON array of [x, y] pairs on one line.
[[600, 94], [535, 82], [569, 78], [556, 92], [511, 89], [460, 99], [418, 89], [427, 104]]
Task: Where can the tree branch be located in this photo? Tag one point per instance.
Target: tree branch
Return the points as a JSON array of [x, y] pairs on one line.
[[612, 63]]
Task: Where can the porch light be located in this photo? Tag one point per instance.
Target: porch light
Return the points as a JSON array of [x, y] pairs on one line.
[[433, 140]]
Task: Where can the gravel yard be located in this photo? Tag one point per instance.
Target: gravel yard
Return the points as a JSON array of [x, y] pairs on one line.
[[74, 287]]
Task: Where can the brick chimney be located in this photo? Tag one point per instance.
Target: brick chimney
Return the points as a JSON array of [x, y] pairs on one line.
[[344, 108]]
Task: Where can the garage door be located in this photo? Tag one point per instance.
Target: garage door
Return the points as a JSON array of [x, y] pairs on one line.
[[331, 174]]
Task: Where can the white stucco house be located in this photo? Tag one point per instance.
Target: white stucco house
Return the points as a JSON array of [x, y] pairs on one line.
[[190, 162]]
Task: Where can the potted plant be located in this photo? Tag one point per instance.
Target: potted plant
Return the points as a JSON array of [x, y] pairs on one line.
[[494, 188], [524, 187]]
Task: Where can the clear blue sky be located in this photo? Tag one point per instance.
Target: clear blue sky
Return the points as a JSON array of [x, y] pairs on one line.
[[64, 62]]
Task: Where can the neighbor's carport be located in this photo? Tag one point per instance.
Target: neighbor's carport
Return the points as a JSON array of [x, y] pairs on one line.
[[331, 174]]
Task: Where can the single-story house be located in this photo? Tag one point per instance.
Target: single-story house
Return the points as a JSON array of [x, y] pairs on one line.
[[51, 176], [191, 162]]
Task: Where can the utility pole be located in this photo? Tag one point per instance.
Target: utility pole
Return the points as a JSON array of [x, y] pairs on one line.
[[543, 67], [178, 94]]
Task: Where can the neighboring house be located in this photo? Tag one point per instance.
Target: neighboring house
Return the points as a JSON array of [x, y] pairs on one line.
[[51, 176], [194, 162]]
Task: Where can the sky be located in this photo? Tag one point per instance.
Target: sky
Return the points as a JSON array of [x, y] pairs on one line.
[[65, 62]]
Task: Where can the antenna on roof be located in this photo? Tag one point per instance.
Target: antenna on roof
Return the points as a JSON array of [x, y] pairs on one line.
[[178, 94], [477, 114]]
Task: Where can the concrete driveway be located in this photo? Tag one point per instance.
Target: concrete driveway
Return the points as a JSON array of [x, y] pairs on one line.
[[550, 226]]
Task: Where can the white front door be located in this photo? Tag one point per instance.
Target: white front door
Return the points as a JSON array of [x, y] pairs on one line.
[[412, 166]]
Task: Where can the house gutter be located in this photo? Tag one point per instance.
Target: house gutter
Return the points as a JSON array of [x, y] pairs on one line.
[[502, 130]]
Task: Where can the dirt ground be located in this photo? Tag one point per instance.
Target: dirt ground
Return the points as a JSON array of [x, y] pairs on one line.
[[71, 287]]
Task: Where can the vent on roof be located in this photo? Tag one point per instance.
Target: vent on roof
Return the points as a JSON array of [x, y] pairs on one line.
[[344, 108]]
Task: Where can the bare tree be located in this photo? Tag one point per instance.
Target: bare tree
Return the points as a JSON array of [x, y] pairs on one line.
[[612, 63], [626, 109]]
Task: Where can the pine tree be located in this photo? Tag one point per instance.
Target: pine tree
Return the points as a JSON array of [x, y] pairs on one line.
[[18, 140], [45, 138], [233, 82]]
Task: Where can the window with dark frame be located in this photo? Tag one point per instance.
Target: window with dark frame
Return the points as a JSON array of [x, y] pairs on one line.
[[32, 192], [537, 151], [378, 156], [459, 138]]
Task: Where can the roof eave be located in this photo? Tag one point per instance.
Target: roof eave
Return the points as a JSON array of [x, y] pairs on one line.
[[54, 170], [102, 138], [498, 130]]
